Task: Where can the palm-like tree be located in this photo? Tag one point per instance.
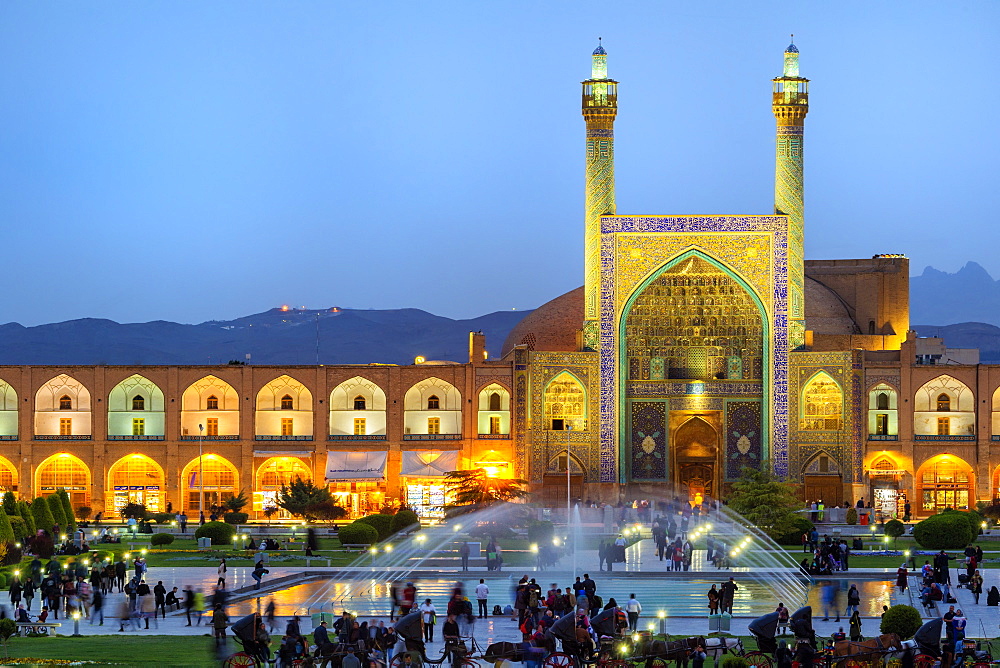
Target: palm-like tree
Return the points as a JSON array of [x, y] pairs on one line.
[[477, 487]]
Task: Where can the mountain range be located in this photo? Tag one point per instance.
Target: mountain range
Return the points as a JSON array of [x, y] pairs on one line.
[[969, 297]]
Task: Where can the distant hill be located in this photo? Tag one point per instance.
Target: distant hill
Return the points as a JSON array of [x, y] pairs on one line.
[[968, 296], [980, 335], [346, 336]]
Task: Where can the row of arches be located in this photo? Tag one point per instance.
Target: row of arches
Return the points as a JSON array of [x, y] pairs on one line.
[[210, 407], [141, 479]]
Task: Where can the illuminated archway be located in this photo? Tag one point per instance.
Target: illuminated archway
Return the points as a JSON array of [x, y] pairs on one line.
[[68, 472], [221, 482], [213, 404], [995, 415], [135, 478], [432, 409], [62, 410], [883, 420], [494, 411], [284, 411], [8, 412], [564, 402], [822, 405], [135, 410], [944, 409], [357, 410], [945, 481], [8, 476], [271, 475]]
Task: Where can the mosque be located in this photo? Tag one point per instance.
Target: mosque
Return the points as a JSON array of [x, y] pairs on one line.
[[698, 345]]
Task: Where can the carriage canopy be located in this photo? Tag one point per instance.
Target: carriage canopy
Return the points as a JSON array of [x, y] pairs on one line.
[[928, 637], [408, 627], [564, 628]]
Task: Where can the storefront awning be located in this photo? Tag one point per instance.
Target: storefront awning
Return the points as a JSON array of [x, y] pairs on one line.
[[355, 465], [428, 463]]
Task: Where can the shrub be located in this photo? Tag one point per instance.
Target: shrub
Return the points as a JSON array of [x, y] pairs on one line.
[[136, 510], [403, 519], [381, 523], [9, 503], [357, 533], [903, 620], [730, 661], [541, 532], [6, 530], [894, 528], [56, 507], [19, 527], [326, 511], [7, 629], [851, 516], [24, 510], [235, 518], [487, 530], [43, 514], [84, 512], [162, 518], [220, 532], [794, 537], [161, 539], [12, 555], [236, 503], [949, 530], [67, 508]]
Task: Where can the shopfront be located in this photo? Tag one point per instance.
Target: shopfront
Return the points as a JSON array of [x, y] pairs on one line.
[[136, 479], [424, 487], [278, 469], [357, 481], [887, 496]]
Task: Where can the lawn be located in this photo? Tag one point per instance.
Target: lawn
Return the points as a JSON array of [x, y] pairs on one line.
[[123, 650]]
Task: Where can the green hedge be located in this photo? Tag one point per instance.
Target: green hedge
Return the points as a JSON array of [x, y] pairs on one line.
[[161, 539], [794, 536], [220, 532], [162, 518], [357, 533], [381, 523], [236, 518], [541, 532], [404, 519], [947, 531], [19, 527], [903, 620]]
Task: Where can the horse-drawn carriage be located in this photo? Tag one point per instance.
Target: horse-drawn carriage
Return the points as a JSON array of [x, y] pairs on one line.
[[256, 651]]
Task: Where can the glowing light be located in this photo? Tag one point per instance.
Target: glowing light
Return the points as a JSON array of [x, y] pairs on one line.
[[661, 614], [76, 615], [635, 637], [142, 551], [62, 537], [86, 562], [17, 545], [17, 573], [651, 626], [555, 541], [374, 550], [419, 359], [127, 555], [906, 553], [534, 547], [458, 527], [388, 548]]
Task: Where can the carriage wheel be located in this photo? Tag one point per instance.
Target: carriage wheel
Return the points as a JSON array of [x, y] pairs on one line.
[[924, 661], [240, 660], [758, 659], [553, 660], [397, 661]]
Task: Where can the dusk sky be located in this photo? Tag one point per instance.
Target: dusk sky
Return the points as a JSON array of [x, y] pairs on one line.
[[197, 160]]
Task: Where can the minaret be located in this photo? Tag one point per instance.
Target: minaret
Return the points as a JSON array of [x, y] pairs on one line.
[[600, 106], [790, 103]]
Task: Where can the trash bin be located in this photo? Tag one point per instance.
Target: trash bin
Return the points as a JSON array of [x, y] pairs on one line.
[[725, 620], [204, 541], [714, 622]]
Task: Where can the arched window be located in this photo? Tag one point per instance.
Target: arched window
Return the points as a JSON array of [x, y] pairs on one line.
[[825, 394], [65, 403], [944, 403], [138, 403], [495, 401], [286, 403], [68, 472], [882, 401], [359, 403], [212, 403], [433, 403], [564, 401]]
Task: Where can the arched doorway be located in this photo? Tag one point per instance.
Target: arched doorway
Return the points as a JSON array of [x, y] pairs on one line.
[[65, 471], [8, 476], [220, 477], [822, 480], [696, 448], [945, 481], [135, 479], [271, 476], [554, 481]]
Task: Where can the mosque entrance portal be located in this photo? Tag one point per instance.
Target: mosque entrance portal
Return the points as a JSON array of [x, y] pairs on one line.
[[696, 452]]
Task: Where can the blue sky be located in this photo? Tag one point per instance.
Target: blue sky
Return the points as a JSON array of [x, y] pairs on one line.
[[188, 161]]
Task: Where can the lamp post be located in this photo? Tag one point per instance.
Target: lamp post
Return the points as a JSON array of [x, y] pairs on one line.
[[201, 477]]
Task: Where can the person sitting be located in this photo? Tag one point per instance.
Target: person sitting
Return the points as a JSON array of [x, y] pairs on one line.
[[993, 596]]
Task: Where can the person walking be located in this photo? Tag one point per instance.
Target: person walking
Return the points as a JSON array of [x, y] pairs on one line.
[[160, 597], [428, 617], [97, 607], [633, 608], [976, 585], [853, 600], [188, 603], [219, 622], [482, 596], [15, 592], [28, 592], [221, 570], [856, 627], [901, 578]]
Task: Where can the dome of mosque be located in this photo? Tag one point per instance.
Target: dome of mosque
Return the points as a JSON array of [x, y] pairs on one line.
[[826, 312], [792, 49], [553, 326], [599, 51]]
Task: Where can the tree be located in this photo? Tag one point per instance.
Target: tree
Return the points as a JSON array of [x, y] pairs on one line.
[[56, 508], [237, 502], [325, 511], [6, 530], [7, 629], [300, 494], [476, 487], [765, 502], [9, 503], [24, 510], [67, 510], [43, 514]]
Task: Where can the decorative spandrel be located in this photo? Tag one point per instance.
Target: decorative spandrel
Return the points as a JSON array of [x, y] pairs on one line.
[[695, 322]]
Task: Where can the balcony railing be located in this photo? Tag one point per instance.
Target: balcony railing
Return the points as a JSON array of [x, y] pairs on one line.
[[8, 437], [883, 437], [944, 437], [355, 437], [494, 437], [995, 437], [260, 437], [131, 437], [62, 437], [227, 437], [432, 437]]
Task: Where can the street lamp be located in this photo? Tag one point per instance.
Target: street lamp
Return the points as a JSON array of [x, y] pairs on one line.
[[201, 477]]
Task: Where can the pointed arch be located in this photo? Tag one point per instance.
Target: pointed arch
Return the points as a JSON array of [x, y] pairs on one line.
[[221, 482], [557, 464], [493, 416], [8, 476], [432, 408], [943, 409], [66, 471], [564, 402], [994, 417], [821, 404], [135, 478], [944, 481], [52, 420], [821, 463], [284, 410], [213, 404], [136, 410], [8, 412], [357, 410]]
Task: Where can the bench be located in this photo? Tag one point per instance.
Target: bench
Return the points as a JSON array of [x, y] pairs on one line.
[[24, 628], [356, 546]]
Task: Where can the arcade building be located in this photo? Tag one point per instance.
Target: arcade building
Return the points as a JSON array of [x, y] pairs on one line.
[[697, 345]]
